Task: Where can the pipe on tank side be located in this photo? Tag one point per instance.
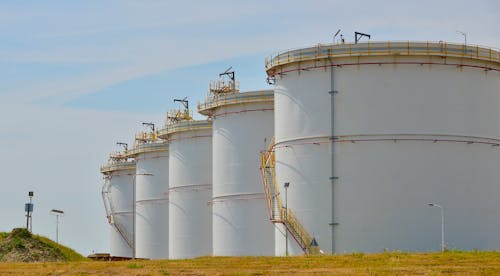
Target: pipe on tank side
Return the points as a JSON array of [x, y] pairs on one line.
[[332, 93], [133, 217]]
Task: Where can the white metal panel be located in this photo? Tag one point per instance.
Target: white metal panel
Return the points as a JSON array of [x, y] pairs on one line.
[[383, 187], [190, 180], [240, 222], [152, 205], [241, 227], [120, 194], [118, 245]]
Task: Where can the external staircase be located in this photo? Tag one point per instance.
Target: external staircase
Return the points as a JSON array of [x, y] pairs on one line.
[[277, 212]]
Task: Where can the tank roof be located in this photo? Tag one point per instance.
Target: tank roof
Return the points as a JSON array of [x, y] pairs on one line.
[[214, 100], [146, 142], [184, 126], [388, 48], [118, 166], [159, 146]]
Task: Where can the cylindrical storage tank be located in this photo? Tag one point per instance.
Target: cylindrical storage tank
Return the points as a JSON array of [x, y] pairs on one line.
[[387, 128], [151, 200], [190, 181], [117, 193], [243, 124]]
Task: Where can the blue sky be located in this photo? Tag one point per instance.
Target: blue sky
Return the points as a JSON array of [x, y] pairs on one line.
[[155, 92], [77, 76]]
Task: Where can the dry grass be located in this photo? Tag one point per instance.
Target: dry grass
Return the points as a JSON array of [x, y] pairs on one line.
[[22, 246], [449, 263]]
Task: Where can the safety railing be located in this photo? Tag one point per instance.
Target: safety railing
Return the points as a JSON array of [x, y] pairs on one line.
[[147, 147], [298, 231], [214, 100], [273, 199], [383, 48], [146, 136], [277, 213], [183, 126], [118, 166]]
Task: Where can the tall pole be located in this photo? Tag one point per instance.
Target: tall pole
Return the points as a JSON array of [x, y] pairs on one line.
[[30, 215], [134, 186], [29, 211], [442, 229], [465, 36], [28, 219], [442, 223], [286, 216], [57, 213], [57, 228], [333, 178]]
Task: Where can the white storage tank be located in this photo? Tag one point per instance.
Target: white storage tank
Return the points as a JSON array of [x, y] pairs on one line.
[[190, 182], [117, 194], [151, 196], [243, 124], [413, 123]]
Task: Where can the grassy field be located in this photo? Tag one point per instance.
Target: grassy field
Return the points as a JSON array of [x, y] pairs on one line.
[[449, 263]]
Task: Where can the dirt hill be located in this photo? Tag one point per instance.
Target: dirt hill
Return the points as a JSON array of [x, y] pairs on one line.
[[21, 246]]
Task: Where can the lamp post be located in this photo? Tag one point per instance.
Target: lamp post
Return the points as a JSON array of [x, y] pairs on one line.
[[442, 223], [287, 184], [57, 213], [465, 36]]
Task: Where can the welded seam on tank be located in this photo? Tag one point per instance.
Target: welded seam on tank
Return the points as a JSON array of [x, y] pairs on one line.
[[392, 137], [152, 200], [242, 111], [190, 137], [237, 197], [148, 158], [200, 187]]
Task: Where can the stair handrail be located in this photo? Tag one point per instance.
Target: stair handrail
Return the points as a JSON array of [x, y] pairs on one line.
[[286, 216]]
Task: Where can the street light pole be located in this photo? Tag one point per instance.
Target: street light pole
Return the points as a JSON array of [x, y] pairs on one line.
[[442, 223], [287, 184], [465, 36], [57, 213]]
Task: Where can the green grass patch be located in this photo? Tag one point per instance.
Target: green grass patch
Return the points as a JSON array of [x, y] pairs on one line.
[[134, 265]]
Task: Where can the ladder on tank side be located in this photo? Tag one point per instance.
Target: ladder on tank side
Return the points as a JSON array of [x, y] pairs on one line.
[[277, 213]]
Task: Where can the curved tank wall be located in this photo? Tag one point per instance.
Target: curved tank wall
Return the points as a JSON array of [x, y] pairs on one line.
[[413, 123], [151, 199], [190, 182], [118, 196], [243, 125]]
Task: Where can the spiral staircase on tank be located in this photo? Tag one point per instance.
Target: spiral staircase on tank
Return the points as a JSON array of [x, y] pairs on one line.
[[278, 213]]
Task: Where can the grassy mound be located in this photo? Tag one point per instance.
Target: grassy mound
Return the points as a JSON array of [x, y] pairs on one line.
[[21, 246]]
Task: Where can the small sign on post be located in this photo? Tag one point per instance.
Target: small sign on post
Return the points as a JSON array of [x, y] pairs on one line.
[[28, 208]]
